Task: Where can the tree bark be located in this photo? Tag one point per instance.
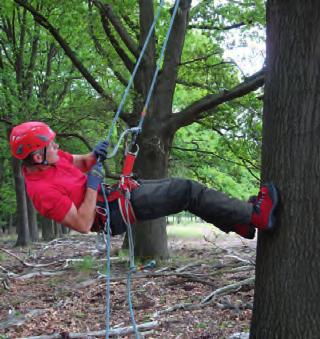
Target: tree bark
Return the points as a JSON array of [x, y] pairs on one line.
[[22, 211], [47, 230], [287, 271], [57, 230], [32, 220]]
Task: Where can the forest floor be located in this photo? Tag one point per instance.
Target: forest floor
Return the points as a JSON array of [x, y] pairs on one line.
[[204, 291]]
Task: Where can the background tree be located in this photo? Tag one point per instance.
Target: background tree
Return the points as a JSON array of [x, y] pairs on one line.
[[287, 270]]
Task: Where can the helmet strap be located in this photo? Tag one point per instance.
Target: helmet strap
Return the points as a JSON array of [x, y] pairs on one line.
[[44, 161]]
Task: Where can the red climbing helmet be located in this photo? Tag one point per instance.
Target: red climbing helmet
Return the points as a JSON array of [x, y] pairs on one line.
[[29, 137]]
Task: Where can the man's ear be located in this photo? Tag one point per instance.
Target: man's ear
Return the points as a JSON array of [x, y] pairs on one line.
[[37, 158]]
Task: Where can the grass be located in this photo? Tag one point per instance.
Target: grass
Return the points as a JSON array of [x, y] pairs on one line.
[[194, 231], [86, 265]]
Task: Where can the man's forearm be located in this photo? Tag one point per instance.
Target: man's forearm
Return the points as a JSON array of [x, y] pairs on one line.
[[87, 210], [84, 161]]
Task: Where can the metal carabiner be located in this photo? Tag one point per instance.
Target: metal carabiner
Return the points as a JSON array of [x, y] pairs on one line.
[[100, 210]]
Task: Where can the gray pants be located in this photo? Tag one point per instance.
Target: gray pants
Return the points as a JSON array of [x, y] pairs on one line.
[[162, 197]]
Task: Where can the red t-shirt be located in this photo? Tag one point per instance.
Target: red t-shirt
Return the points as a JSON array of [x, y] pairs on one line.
[[53, 190]]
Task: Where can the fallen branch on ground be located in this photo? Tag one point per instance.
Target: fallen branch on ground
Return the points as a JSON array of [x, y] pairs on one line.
[[228, 288], [26, 264], [208, 300], [112, 333], [38, 274], [20, 319]]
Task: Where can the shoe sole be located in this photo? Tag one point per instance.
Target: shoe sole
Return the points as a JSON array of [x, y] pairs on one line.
[[274, 195]]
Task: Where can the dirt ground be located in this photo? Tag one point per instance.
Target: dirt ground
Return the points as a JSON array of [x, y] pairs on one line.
[[72, 299]]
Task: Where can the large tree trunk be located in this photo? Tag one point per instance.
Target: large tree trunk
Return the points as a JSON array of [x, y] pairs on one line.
[[287, 271], [22, 210], [157, 136], [152, 163]]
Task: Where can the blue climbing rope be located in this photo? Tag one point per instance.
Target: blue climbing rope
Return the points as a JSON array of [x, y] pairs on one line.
[[159, 63], [114, 121], [126, 92], [135, 131]]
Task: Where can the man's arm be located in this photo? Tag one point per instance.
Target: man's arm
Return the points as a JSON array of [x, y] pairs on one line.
[[81, 219], [84, 161]]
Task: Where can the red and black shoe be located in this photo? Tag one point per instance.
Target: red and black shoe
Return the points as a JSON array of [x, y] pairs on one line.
[[245, 230], [263, 213]]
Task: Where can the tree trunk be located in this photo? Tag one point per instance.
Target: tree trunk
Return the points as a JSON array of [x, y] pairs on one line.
[[65, 230], [47, 230], [287, 272], [11, 229], [152, 163], [57, 230], [32, 220], [22, 211]]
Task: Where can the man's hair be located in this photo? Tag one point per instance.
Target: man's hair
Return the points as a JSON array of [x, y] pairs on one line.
[[28, 161]]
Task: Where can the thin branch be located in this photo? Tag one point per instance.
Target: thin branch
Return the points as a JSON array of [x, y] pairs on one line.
[[106, 9], [11, 62], [113, 332], [78, 136], [204, 57], [22, 261], [28, 82], [120, 51], [6, 121], [197, 150], [219, 28], [100, 49], [20, 51], [193, 84]]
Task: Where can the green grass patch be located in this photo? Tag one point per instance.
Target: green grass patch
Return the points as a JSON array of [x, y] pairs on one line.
[[85, 265], [8, 237], [192, 231]]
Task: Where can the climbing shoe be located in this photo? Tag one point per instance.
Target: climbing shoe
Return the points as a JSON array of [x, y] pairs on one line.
[[245, 230], [263, 213]]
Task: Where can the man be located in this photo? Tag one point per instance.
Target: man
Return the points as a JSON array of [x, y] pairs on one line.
[[60, 190]]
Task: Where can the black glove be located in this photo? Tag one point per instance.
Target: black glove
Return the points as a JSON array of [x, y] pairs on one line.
[[95, 176], [101, 150]]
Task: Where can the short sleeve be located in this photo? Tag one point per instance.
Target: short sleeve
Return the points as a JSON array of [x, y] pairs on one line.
[[53, 204], [66, 155]]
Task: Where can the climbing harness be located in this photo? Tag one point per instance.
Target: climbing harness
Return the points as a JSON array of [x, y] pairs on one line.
[[121, 193]]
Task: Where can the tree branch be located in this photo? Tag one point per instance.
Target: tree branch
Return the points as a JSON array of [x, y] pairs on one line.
[[219, 28], [28, 82], [193, 112], [106, 10], [193, 84], [172, 58], [64, 45], [20, 50], [100, 49], [78, 136], [197, 150], [204, 57], [120, 51]]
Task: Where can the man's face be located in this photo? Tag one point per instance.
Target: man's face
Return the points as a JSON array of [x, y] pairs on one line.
[[52, 152]]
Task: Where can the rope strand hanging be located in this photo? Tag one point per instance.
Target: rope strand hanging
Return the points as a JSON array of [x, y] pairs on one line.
[[135, 131]]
